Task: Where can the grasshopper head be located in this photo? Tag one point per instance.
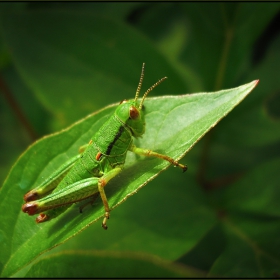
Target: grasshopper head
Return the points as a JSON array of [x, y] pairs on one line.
[[130, 112], [132, 117]]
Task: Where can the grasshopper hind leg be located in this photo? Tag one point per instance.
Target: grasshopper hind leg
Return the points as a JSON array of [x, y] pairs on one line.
[[57, 202], [53, 213]]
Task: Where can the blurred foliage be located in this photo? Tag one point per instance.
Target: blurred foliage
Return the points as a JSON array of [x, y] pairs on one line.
[[62, 61]]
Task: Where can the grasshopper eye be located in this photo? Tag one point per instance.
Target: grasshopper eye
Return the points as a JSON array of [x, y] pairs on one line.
[[133, 113], [123, 101]]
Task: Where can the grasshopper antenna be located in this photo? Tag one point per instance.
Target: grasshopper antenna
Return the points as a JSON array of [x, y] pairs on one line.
[[150, 89], [140, 82]]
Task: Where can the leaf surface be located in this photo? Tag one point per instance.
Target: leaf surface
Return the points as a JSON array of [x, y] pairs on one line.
[[173, 125], [125, 265]]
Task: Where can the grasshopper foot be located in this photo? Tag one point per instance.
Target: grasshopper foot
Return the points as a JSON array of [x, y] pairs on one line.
[[107, 216], [184, 167], [42, 218]]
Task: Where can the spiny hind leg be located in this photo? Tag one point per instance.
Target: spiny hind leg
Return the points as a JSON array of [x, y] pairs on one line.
[[53, 213], [101, 184], [75, 192], [50, 214], [61, 199]]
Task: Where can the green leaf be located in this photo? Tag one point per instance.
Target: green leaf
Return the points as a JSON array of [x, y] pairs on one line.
[[173, 125], [251, 222], [251, 134], [98, 56], [107, 265], [246, 240], [230, 29]]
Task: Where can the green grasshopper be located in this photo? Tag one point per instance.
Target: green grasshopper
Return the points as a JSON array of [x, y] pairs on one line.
[[86, 175]]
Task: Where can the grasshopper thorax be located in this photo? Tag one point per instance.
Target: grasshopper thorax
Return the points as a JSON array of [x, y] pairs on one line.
[[130, 113]]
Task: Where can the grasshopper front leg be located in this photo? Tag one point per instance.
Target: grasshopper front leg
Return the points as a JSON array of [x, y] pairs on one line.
[[150, 153], [73, 193]]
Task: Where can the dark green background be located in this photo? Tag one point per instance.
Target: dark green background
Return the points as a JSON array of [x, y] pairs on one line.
[[62, 61]]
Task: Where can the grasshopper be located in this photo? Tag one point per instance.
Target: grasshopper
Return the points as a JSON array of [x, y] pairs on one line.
[[85, 175]]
